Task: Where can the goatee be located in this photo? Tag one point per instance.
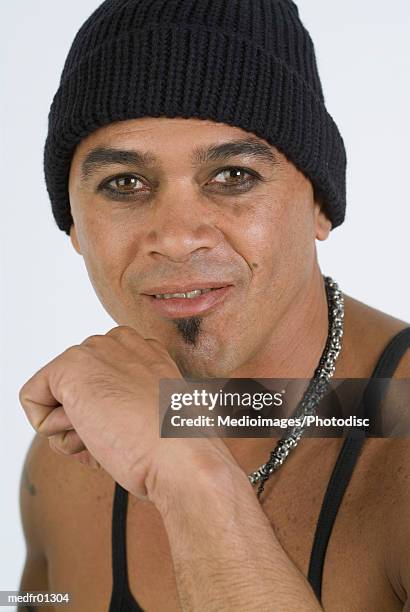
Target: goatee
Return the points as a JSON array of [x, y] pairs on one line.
[[189, 328]]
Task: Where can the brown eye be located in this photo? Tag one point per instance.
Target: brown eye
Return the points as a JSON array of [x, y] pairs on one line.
[[234, 180], [232, 176], [125, 184]]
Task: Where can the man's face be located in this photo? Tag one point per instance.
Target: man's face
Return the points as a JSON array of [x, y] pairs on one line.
[[161, 205]]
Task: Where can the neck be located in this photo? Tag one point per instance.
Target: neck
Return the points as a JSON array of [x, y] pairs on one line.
[[293, 351]]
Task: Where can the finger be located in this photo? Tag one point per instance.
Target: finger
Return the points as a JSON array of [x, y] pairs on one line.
[[55, 422], [67, 443], [157, 345], [40, 394], [37, 400], [125, 330], [131, 338]]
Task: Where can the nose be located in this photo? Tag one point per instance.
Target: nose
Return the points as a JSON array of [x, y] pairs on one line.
[[182, 223]]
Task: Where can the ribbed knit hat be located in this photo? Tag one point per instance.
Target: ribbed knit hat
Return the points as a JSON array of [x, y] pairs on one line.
[[247, 63]]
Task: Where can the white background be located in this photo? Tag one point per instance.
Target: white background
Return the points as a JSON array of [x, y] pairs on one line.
[[47, 302]]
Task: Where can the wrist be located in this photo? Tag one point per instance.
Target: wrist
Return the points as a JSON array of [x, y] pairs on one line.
[[185, 466]]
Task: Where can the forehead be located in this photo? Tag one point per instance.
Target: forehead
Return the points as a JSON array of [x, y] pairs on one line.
[[163, 136]]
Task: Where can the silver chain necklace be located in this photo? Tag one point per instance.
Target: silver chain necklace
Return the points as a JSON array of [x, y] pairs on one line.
[[315, 391]]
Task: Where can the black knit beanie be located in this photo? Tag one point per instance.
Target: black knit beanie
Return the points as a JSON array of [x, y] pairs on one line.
[[247, 63]]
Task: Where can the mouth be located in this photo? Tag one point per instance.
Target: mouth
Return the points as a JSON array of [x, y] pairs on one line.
[[187, 301]]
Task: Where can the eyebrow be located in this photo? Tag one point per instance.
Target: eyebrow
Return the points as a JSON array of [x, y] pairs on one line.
[[251, 147], [105, 156]]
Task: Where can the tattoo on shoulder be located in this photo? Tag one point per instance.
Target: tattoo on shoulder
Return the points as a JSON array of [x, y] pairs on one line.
[[29, 486]]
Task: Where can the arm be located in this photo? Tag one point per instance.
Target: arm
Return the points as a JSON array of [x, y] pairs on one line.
[[225, 553], [34, 575], [102, 396]]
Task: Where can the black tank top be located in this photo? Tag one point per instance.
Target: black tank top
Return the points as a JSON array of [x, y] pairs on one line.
[[122, 599]]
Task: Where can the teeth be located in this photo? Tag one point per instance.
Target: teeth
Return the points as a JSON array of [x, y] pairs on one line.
[[189, 294]]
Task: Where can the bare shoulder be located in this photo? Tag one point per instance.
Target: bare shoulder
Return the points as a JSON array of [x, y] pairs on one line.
[[367, 333], [50, 483], [387, 468], [390, 492]]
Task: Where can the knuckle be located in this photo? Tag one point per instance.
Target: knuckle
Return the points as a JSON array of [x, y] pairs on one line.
[[55, 445], [78, 354], [158, 346], [43, 427], [73, 349], [66, 443], [25, 392], [22, 394], [122, 331], [92, 340], [73, 352]]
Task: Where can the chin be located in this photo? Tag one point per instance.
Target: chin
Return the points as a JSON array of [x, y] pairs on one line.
[[199, 362]]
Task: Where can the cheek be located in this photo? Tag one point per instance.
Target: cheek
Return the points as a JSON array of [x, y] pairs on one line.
[[261, 233], [104, 247], [278, 232]]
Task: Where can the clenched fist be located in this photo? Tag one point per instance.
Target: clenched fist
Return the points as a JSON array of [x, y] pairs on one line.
[[101, 397]]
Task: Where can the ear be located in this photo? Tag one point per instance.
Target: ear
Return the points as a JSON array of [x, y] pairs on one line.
[[322, 224], [74, 239]]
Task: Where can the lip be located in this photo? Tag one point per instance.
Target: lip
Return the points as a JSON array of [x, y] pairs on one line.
[[189, 307], [160, 290]]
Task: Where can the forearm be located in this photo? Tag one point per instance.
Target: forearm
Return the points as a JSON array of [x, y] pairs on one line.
[[225, 553]]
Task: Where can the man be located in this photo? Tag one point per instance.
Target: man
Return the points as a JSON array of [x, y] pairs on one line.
[[189, 149]]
